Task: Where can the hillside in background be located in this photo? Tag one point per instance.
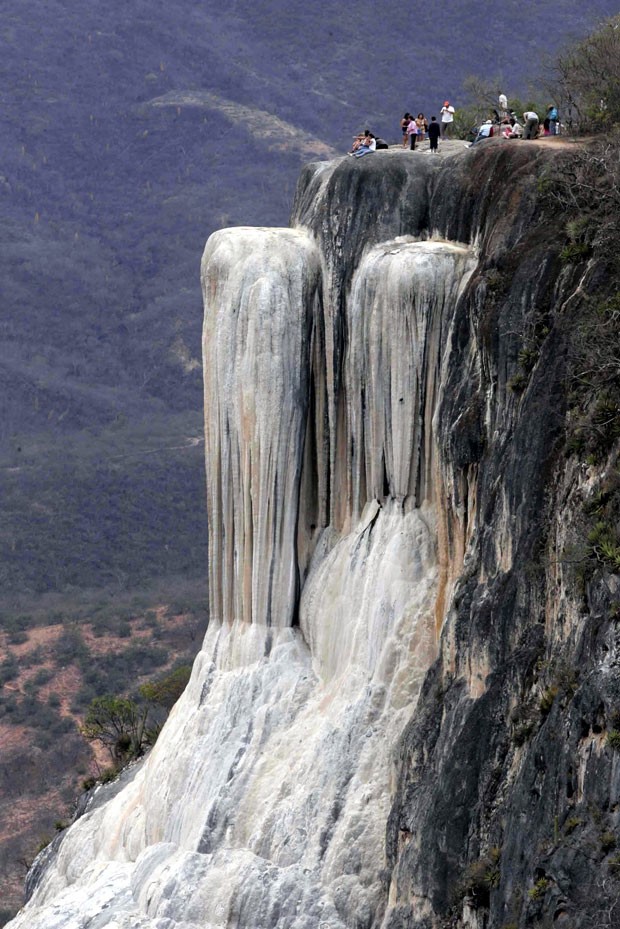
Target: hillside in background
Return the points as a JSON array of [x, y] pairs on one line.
[[128, 133]]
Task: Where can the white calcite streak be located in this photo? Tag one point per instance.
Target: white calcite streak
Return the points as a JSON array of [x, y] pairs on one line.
[[260, 292], [398, 328], [264, 802]]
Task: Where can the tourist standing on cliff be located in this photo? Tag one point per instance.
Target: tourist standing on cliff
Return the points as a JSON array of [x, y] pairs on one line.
[[530, 124], [412, 132], [447, 118], [433, 133], [552, 116], [403, 128]]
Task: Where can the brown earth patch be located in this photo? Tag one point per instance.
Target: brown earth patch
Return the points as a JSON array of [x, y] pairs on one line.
[[41, 772]]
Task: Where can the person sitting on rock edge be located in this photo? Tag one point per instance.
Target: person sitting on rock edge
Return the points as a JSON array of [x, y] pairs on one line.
[[484, 132], [358, 140], [368, 145]]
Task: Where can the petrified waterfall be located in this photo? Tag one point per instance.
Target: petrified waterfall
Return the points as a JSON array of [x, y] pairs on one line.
[[342, 501]]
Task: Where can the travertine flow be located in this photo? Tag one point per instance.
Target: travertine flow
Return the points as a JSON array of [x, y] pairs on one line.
[[265, 800]]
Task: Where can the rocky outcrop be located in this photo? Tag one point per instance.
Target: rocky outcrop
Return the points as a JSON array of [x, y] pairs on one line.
[[506, 813], [397, 710]]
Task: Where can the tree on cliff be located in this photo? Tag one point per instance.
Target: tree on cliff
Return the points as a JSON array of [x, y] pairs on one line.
[[119, 724], [586, 81], [127, 727]]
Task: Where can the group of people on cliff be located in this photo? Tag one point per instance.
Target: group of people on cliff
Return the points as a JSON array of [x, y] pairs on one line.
[[416, 128], [412, 128], [507, 126], [503, 123]]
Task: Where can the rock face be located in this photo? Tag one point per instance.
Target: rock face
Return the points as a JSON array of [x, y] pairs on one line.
[[361, 743]]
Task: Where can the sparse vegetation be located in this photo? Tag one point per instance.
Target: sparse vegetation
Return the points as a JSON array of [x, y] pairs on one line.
[[37, 696], [128, 726], [538, 891], [604, 543], [481, 877], [119, 724], [608, 841], [562, 683], [614, 866], [548, 698], [528, 356], [518, 383], [108, 775], [587, 80], [572, 823], [524, 720]]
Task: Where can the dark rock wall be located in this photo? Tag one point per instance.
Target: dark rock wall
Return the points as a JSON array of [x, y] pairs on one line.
[[505, 807], [506, 811]]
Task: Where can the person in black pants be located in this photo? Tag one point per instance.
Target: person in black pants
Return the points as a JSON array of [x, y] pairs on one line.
[[433, 133]]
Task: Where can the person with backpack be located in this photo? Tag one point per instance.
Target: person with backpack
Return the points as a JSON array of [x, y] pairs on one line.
[[552, 116]]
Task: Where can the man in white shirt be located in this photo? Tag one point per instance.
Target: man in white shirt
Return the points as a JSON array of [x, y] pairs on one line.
[[484, 132], [447, 118], [530, 125]]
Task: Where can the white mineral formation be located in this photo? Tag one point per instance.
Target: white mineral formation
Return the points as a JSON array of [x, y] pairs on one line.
[[265, 800]]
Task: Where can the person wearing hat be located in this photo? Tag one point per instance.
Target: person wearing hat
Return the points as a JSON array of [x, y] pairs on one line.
[[484, 132], [447, 118]]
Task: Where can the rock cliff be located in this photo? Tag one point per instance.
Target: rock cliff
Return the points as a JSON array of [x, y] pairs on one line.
[[398, 715]]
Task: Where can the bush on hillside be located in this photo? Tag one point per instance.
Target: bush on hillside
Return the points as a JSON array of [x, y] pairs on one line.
[[586, 81], [127, 726]]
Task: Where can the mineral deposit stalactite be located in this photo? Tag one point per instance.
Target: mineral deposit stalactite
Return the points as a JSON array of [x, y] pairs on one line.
[[260, 292], [398, 323]]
